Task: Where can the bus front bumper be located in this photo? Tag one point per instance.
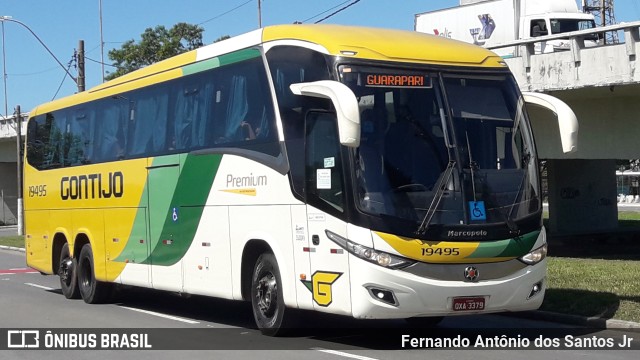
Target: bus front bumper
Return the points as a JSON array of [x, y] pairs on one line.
[[381, 293]]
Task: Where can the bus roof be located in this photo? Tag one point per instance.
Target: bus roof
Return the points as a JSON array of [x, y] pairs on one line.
[[386, 44], [339, 40]]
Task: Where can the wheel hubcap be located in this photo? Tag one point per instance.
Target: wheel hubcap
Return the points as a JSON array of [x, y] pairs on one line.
[[267, 294], [66, 270]]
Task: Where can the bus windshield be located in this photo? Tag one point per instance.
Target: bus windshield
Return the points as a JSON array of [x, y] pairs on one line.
[[442, 149]]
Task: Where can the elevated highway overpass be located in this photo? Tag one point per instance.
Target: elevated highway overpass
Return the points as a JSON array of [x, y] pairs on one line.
[[602, 86], [8, 169]]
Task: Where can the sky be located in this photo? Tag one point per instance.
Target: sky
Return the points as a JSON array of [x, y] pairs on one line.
[[33, 76]]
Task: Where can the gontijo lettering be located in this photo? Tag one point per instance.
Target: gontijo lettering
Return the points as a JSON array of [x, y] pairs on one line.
[[92, 186]]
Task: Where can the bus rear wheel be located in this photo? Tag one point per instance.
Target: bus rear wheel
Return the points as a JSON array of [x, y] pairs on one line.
[[269, 312], [91, 290], [67, 271]]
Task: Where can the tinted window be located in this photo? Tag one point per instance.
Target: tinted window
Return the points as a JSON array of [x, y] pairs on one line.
[[289, 65], [228, 106], [323, 163]]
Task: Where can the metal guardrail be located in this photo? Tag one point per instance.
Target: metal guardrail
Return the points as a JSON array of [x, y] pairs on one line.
[[577, 38]]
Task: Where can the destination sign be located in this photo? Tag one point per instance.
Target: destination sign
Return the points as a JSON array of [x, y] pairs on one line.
[[386, 80]]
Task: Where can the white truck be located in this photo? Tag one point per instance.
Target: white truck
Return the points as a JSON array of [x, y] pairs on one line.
[[492, 22]]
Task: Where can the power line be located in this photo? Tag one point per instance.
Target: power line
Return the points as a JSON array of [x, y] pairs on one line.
[[73, 59], [99, 62], [338, 11], [226, 12], [326, 11], [92, 49], [34, 73]]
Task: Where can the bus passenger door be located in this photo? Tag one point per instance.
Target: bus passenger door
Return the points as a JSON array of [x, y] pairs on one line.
[[324, 180], [164, 217], [301, 248]]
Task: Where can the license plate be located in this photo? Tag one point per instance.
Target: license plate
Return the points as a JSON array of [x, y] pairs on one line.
[[468, 304]]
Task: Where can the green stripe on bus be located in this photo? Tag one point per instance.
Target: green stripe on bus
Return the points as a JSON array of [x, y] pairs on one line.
[[185, 209], [201, 66], [521, 245], [160, 201], [515, 247], [238, 56], [221, 60]]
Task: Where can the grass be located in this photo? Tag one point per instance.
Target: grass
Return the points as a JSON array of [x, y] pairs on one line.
[[15, 241], [594, 288]]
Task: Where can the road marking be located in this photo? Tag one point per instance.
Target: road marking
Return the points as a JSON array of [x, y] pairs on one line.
[[344, 354], [40, 286], [18, 271], [161, 315]]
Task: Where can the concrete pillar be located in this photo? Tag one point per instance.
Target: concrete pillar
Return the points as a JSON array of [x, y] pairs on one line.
[[8, 193], [582, 196]]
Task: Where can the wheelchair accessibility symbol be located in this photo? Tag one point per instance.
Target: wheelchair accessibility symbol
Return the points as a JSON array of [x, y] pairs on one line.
[[477, 210]]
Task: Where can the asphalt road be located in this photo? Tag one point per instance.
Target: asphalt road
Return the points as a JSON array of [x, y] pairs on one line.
[[29, 300]]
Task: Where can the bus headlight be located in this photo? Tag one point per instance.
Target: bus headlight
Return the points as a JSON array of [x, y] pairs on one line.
[[368, 254], [535, 256]]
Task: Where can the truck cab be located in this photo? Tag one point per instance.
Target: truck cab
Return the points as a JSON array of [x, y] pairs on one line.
[[557, 23]]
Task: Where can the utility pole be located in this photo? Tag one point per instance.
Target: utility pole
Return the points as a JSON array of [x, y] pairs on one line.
[[602, 11], [81, 79], [101, 43], [259, 14], [20, 216]]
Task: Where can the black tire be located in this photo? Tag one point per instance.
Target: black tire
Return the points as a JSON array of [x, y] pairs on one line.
[[267, 302], [424, 322], [67, 271], [91, 290]]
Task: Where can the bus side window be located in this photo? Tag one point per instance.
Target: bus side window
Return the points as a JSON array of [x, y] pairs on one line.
[[193, 107], [243, 105], [236, 109], [81, 137], [149, 123], [110, 134], [38, 151]]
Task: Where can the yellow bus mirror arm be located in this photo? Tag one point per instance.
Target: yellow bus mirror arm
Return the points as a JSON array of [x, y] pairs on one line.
[[567, 120], [345, 103]]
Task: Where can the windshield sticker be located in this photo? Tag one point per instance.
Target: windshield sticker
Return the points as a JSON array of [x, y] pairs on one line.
[[329, 162], [323, 179], [477, 210]]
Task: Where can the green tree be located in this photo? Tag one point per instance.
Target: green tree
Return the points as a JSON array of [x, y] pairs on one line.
[[155, 45], [224, 37]]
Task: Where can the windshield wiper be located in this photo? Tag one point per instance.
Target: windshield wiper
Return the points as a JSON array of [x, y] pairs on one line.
[[435, 202], [513, 227]]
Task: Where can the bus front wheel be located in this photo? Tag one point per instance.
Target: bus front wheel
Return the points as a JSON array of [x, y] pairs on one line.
[[91, 290], [68, 274], [271, 316]]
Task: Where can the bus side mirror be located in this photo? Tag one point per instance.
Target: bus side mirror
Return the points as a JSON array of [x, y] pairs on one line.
[[345, 102], [567, 120]]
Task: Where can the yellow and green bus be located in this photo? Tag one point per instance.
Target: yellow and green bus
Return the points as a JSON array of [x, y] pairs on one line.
[[357, 171]]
